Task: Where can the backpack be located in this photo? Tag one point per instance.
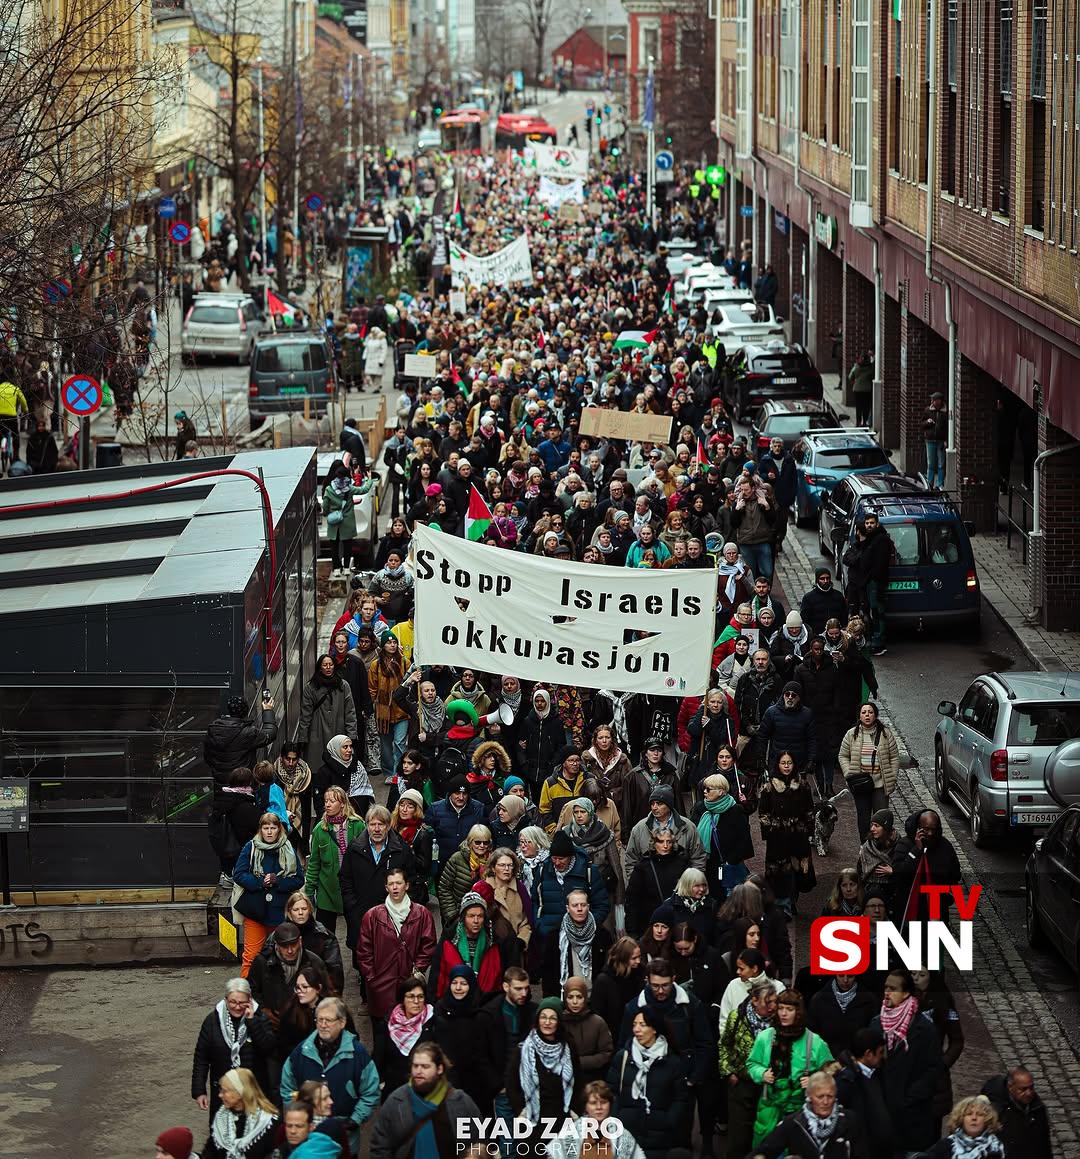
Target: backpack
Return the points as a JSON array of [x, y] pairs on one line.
[[450, 763], [223, 839]]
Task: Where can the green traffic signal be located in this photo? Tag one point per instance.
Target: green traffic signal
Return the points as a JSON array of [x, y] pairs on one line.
[[667, 140], [614, 150]]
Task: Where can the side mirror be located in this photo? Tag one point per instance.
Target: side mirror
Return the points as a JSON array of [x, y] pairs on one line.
[[946, 708]]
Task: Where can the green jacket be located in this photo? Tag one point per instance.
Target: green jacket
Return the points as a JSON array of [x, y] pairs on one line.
[[785, 1096], [454, 882], [321, 882], [736, 1042], [332, 500]]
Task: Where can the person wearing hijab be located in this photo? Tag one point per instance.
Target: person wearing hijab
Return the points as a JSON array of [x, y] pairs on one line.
[[586, 1030], [542, 1072], [541, 736], [464, 1035], [341, 766], [326, 710], [595, 838], [509, 817], [652, 1092]]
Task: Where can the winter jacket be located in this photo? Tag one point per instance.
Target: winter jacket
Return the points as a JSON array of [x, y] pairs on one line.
[[550, 1087], [593, 1042], [242, 816], [324, 714], [549, 896], [686, 1026], [652, 883], [501, 1039], [686, 839], [213, 1058], [818, 607], [572, 1137], [375, 349], [454, 882], [707, 735], [665, 1122], [736, 1042], [611, 992], [385, 957], [911, 1077], [780, 475], [317, 940], [820, 685], [756, 692], [261, 1147], [321, 882], [1025, 1130], [935, 424], [451, 827], [233, 742], [489, 972], [253, 901], [466, 1038], [613, 778], [363, 880], [637, 787], [505, 836], [808, 1054], [837, 1026], [336, 500], [731, 844], [790, 730], [792, 1137], [753, 523], [394, 1136], [421, 847], [864, 1096], [550, 963], [886, 763], [269, 986], [538, 742], [554, 795], [787, 653], [350, 1074]]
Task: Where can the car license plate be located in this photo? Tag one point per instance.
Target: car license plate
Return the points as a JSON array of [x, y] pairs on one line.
[[785, 381], [903, 586], [1034, 818], [294, 390]]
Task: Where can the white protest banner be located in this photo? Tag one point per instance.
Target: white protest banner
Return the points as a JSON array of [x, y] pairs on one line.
[[457, 302], [510, 264], [560, 161], [421, 365], [554, 193], [633, 629]]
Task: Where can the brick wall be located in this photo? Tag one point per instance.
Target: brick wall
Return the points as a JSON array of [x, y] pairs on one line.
[[829, 308], [973, 430], [888, 422], [858, 324], [797, 239], [780, 259], [914, 395], [1058, 572]]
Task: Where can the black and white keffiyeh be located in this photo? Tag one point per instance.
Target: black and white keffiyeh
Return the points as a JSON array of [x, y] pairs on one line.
[[576, 940], [235, 1035], [555, 1057], [226, 1125]]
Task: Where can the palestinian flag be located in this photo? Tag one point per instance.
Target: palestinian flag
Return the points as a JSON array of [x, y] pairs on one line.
[[666, 304], [541, 338], [478, 518], [280, 309], [458, 216], [702, 457]]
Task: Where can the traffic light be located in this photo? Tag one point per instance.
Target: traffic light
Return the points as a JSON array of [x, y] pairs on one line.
[[716, 175], [615, 150], [667, 140], [437, 110]]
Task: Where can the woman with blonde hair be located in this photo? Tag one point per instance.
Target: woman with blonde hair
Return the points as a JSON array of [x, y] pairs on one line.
[[339, 824], [971, 1132], [244, 1126], [464, 866], [266, 873]]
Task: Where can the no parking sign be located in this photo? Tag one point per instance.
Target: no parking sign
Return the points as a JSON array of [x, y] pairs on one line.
[[180, 232], [314, 202], [81, 395]]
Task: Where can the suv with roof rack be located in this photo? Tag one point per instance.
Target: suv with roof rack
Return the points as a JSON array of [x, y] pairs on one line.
[[997, 753], [932, 576], [827, 453]]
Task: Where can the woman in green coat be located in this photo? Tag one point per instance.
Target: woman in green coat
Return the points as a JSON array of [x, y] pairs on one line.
[[337, 506], [464, 866], [338, 825], [782, 1059]]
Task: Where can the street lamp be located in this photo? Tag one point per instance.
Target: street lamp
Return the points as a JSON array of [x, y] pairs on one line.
[[262, 168]]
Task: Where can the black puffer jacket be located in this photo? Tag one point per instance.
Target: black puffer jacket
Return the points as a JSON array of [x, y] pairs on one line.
[[212, 1057], [233, 741], [821, 685], [790, 730], [818, 607], [652, 883], [756, 692]]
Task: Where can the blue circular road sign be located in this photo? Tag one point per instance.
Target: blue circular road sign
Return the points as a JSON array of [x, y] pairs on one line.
[[665, 159], [314, 202], [81, 395], [180, 232]]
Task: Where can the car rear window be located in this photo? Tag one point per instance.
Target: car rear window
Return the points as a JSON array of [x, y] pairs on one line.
[[775, 363], [1044, 724], [930, 544], [215, 315], [294, 356], [851, 458], [788, 425]]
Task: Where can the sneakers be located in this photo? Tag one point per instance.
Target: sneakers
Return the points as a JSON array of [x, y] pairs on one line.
[[880, 651], [225, 881]]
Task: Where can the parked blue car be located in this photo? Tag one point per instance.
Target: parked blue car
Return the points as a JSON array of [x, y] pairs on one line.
[[823, 458]]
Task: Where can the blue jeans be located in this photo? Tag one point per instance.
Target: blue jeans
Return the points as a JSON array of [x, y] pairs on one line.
[[392, 746], [505, 1113], [935, 463], [759, 557]]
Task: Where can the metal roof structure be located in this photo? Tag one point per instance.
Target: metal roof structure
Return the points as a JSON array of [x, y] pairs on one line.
[[202, 537]]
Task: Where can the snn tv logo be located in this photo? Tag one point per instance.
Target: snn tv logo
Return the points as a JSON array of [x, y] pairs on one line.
[[842, 945]]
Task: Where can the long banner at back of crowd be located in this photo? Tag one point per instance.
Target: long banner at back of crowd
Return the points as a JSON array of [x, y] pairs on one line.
[[554, 193], [637, 630], [503, 268], [560, 161]]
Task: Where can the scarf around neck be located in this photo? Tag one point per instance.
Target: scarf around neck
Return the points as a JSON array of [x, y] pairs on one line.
[[432, 716], [895, 1021], [398, 911], [734, 572], [707, 821], [461, 944], [576, 940], [405, 1031], [235, 1035], [285, 854], [226, 1125], [555, 1057], [844, 998], [983, 1146], [644, 1057], [820, 1130]]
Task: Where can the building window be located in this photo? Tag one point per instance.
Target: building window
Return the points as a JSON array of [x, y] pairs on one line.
[[744, 80], [975, 82], [836, 136], [948, 101], [1004, 110], [821, 104], [1036, 138], [894, 104], [861, 120], [1075, 243], [924, 102]]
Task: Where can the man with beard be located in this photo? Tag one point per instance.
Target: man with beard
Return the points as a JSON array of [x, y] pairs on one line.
[[757, 691], [923, 857], [822, 603], [426, 1112]]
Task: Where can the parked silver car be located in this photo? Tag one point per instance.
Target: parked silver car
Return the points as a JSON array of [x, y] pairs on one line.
[[220, 326], [991, 751]]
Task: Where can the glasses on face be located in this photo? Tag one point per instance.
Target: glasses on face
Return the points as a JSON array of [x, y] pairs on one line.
[[328, 1021], [479, 843]]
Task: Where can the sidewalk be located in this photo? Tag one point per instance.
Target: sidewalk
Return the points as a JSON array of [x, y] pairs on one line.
[[1003, 576]]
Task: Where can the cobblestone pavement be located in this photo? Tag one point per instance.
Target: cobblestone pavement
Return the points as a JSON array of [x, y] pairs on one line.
[[1006, 1019]]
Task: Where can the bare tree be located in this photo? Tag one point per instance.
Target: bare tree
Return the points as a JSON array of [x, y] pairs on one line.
[[684, 86], [536, 16]]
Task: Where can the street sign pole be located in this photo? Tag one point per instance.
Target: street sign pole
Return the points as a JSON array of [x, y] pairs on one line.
[[84, 444]]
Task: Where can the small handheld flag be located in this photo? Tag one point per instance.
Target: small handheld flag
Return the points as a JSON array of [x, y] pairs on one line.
[[478, 518]]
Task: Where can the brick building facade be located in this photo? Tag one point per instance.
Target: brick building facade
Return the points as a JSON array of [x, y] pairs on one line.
[[841, 126]]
